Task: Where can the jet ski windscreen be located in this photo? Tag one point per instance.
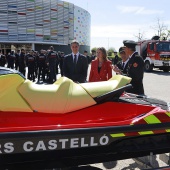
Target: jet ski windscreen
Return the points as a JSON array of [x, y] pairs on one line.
[[5, 71]]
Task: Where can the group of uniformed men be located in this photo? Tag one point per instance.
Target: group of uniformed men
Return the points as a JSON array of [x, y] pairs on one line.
[[42, 65]]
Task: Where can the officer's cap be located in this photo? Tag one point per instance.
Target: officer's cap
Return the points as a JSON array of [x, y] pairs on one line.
[[129, 43], [122, 49]]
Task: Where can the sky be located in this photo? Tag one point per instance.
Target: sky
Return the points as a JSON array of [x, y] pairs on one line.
[[113, 21]]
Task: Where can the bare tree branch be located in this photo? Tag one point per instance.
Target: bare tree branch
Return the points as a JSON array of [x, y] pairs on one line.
[[160, 27], [140, 36]]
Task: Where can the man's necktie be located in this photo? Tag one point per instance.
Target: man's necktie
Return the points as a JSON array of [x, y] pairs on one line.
[[75, 59], [123, 65]]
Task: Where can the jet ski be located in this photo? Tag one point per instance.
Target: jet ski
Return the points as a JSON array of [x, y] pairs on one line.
[[66, 124]]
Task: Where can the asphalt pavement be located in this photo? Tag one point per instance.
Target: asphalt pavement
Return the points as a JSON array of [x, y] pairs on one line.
[[157, 84]]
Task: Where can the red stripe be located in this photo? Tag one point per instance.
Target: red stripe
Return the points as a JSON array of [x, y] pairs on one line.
[[132, 134], [142, 121], [21, 13], [54, 9], [159, 131], [163, 117], [3, 30], [46, 20], [39, 35]]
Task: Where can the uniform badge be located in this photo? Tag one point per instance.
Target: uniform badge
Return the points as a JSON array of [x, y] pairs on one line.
[[135, 65]]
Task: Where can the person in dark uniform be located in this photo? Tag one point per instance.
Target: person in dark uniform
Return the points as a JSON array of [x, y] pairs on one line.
[[36, 54], [87, 56], [116, 58], [75, 65], [22, 62], [2, 59], [61, 60], [11, 59], [58, 54], [123, 64], [41, 65], [135, 68], [52, 59], [93, 55], [17, 59], [30, 60]]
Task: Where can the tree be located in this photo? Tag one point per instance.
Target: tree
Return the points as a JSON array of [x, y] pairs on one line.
[[140, 36], [166, 35], [162, 29], [110, 51]]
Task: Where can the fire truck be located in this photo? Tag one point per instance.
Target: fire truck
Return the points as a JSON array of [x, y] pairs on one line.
[[156, 53]]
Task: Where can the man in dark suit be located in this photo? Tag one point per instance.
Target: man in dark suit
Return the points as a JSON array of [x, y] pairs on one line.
[[75, 65], [135, 68], [123, 64]]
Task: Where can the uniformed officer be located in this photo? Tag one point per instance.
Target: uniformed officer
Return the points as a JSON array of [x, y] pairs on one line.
[[93, 55], [61, 60], [22, 62], [135, 68], [17, 59], [52, 59], [123, 64], [116, 58], [30, 60], [41, 65], [2, 59], [36, 54], [11, 59]]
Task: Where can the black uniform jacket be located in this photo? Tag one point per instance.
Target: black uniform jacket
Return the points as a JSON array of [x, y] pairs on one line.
[[123, 70], [135, 70], [78, 73]]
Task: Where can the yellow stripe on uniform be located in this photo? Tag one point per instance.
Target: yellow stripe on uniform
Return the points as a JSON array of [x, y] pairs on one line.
[[117, 135], [152, 119]]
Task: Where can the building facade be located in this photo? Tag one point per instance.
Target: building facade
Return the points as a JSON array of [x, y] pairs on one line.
[[37, 24]]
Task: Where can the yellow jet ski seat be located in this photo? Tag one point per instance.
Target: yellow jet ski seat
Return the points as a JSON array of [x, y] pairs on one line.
[[63, 96], [99, 88]]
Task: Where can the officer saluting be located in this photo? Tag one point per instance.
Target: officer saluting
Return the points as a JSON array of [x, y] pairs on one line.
[[135, 68]]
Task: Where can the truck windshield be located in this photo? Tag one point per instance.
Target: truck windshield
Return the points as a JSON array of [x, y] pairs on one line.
[[163, 47]]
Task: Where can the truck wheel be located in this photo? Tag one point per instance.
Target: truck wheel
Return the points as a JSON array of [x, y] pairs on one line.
[[148, 67]]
